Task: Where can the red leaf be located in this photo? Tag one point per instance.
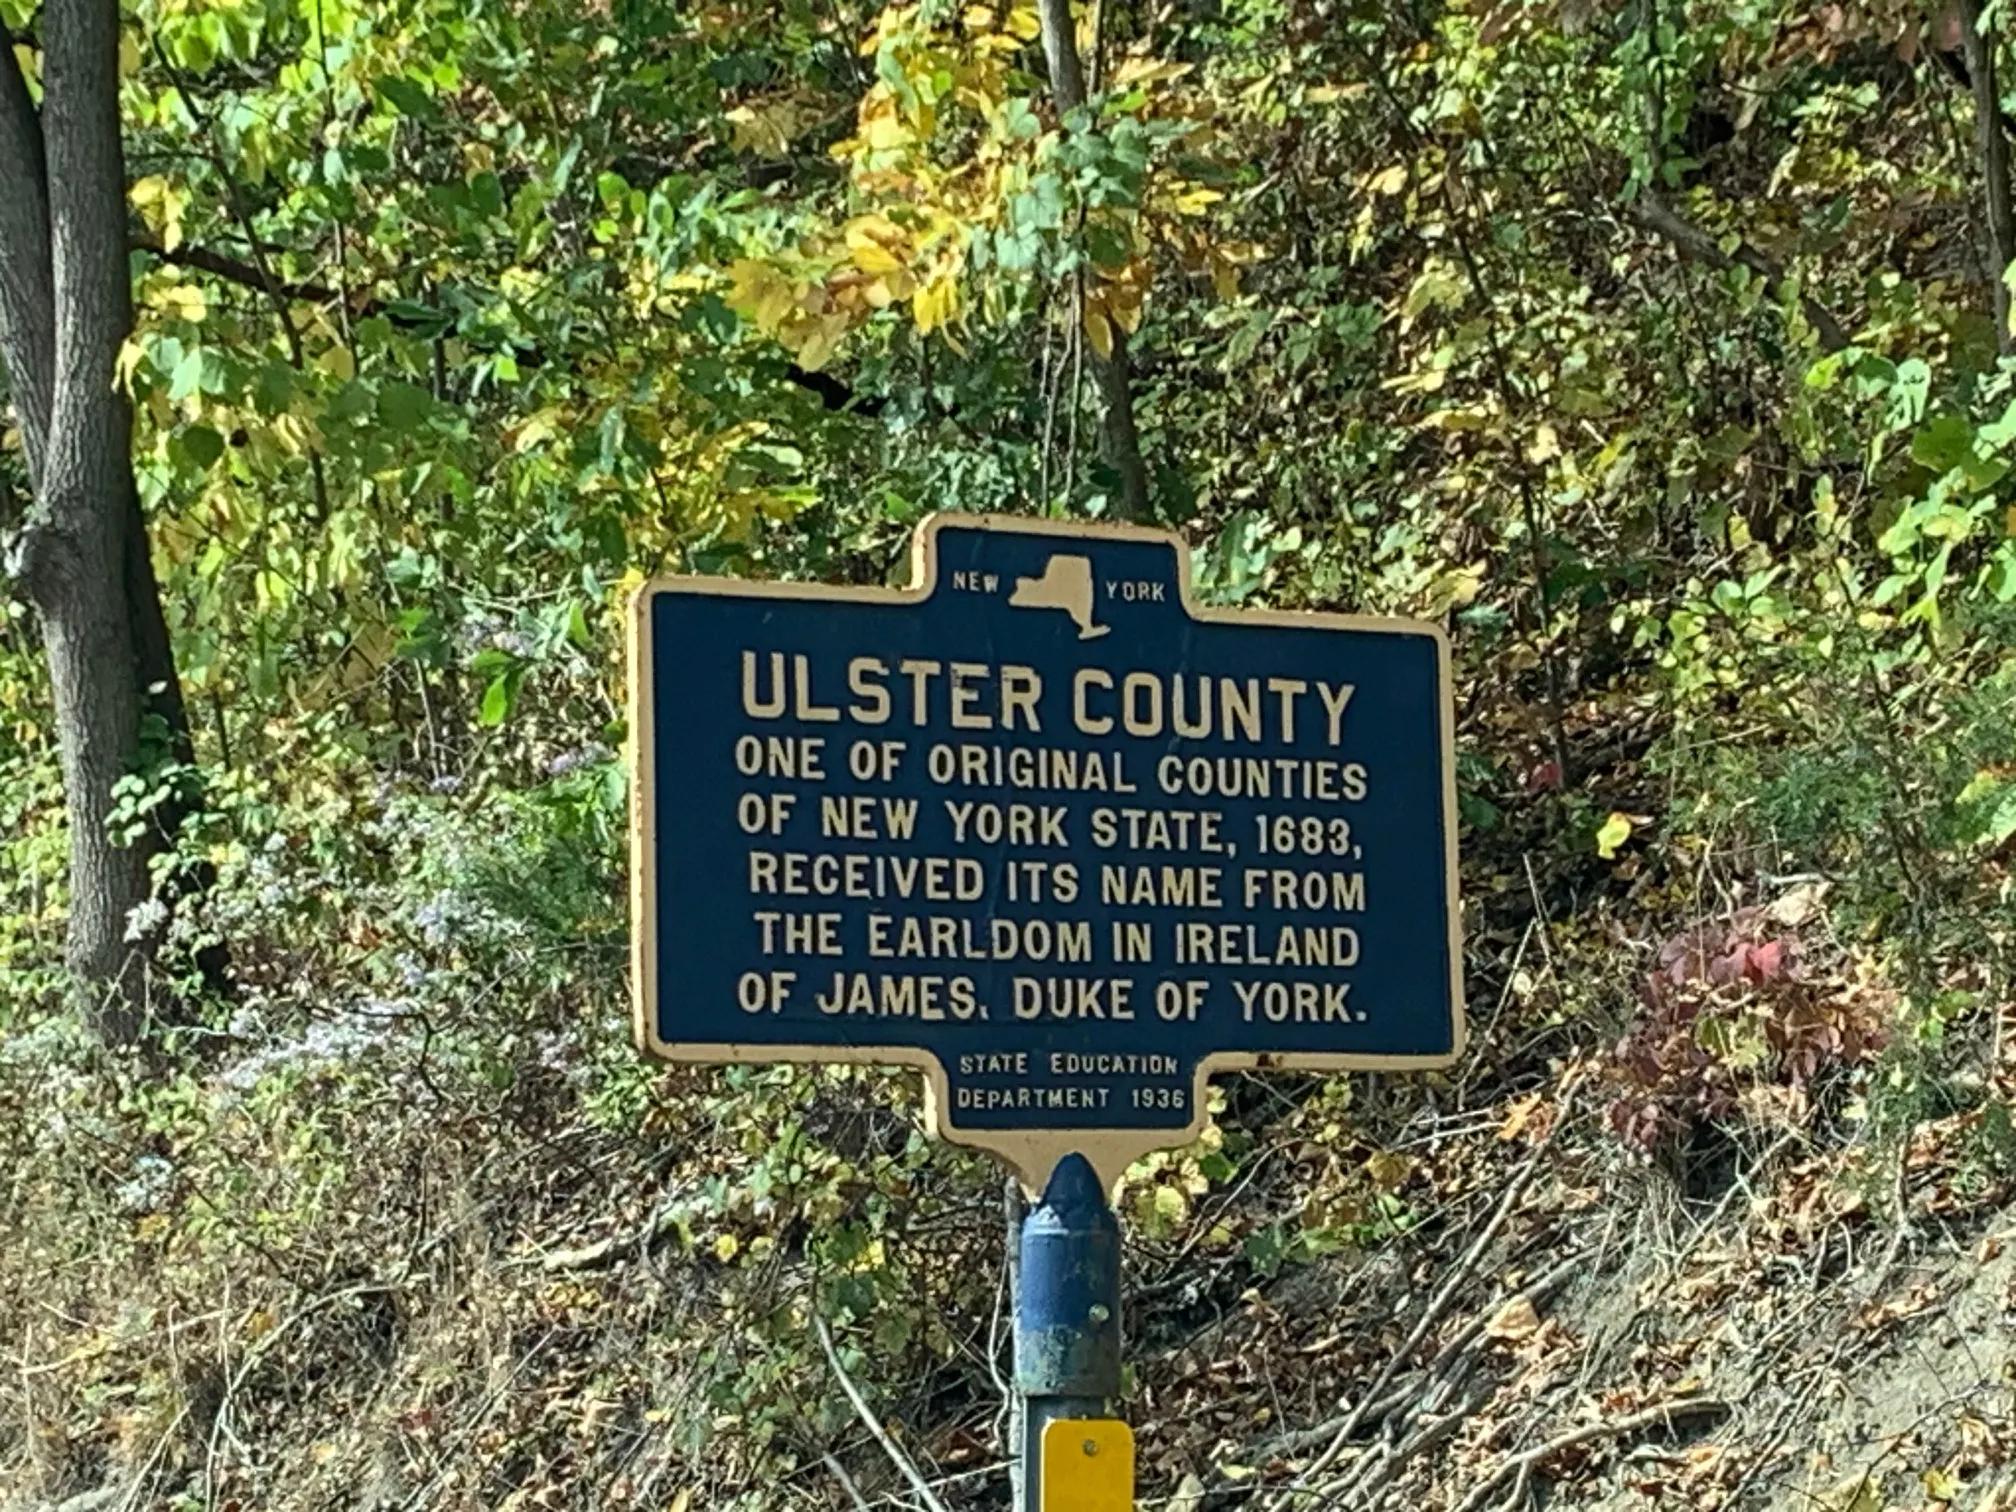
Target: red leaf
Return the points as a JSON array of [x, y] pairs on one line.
[[1766, 961]]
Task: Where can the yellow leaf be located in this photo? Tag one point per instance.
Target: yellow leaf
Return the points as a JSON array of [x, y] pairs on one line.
[[183, 302], [1389, 1169], [757, 291], [1514, 1321], [1520, 1115], [1428, 382], [129, 55], [1389, 181], [869, 240], [885, 132], [765, 128], [1224, 276], [978, 18], [1023, 24], [540, 425], [819, 341], [935, 304], [1141, 70], [872, 257], [338, 362], [1462, 417], [1615, 831], [726, 1247], [131, 355], [1121, 303], [1941, 1484], [1099, 329], [1195, 201], [1326, 94], [294, 434]]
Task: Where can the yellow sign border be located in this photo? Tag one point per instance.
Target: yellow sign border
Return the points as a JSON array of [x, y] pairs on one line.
[[1032, 1152]]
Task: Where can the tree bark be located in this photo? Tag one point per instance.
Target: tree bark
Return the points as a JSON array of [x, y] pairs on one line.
[[1112, 372], [1993, 148], [27, 302], [83, 559]]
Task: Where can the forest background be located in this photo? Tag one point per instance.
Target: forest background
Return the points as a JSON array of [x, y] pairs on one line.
[[1660, 350]]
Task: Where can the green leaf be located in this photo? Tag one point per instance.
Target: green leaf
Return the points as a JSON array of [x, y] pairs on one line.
[[1215, 1167], [409, 99], [1988, 808], [1914, 386], [187, 378], [404, 406], [193, 50], [1944, 444], [497, 699], [1615, 831], [486, 192], [201, 445]]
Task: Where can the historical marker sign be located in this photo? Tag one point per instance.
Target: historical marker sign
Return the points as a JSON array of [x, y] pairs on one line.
[[1043, 828]]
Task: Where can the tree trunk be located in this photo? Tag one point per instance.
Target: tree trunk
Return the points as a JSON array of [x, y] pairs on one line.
[[78, 589], [1993, 148], [65, 310], [1116, 386]]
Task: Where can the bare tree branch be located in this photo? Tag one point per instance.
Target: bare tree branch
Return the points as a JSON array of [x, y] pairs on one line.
[[1696, 245], [235, 270]]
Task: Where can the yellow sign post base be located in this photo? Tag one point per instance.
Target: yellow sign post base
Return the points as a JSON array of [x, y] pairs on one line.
[[1088, 1466]]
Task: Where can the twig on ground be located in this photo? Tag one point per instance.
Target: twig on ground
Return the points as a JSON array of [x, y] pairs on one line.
[[1420, 1390], [846, 1481], [444, 1464], [1439, 1304], [602, 1251], [142, 1482], [1525, 1462], [107, 1346], [1900, 1216], [1540, 913], [1483, 1033], [903, 1463], [1374, 1473]]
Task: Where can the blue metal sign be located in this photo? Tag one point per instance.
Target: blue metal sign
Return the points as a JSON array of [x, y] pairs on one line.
[[1043, 828]]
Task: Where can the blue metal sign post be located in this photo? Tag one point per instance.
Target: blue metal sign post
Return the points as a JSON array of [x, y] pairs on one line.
[[1065, 841], [1067, 1329]]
